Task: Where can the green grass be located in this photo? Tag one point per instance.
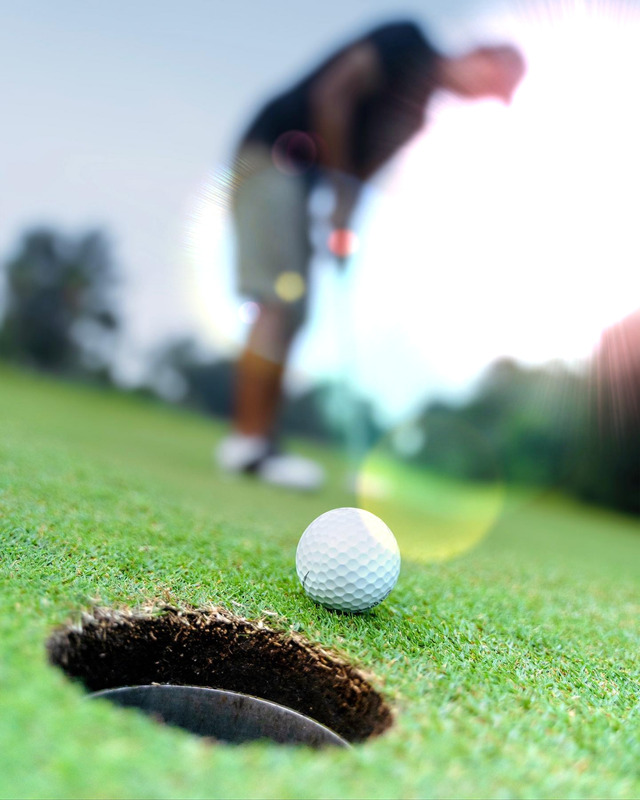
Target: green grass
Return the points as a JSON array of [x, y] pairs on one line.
[[514, 669]]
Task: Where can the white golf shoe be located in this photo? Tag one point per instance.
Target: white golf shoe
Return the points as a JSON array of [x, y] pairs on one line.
[[256, 455]]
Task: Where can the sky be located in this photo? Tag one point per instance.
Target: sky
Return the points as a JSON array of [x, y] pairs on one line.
[[500, 232]]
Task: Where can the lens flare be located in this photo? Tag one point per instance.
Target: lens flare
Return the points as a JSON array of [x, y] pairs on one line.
[[294, 152], [405, 481], [249, 312], [290, 286], [207, 261]]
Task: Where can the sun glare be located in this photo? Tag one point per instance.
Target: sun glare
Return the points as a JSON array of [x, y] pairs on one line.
[[501, 232], [521, 222]]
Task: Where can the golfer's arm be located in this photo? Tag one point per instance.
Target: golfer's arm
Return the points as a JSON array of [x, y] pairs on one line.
[[333, 104], [335, 97], [334, 127]]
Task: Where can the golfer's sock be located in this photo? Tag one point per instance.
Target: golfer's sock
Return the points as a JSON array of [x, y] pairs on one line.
[[258, 393]]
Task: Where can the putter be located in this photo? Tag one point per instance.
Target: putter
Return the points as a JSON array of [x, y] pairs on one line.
[[351, 427], [354, 433]]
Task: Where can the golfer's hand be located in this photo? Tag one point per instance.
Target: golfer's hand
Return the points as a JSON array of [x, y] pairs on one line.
[[342, 243]]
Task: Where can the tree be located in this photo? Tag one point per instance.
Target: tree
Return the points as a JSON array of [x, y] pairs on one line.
[[549, 426], [610, 470], [180, 373], [61, 303]]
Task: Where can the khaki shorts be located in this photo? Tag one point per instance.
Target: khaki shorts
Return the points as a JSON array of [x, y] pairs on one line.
[[271, 226]]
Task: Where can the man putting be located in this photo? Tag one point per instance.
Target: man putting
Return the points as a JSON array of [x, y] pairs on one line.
[[340, 124]]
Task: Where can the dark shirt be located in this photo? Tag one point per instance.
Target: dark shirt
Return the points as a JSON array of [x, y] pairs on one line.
[[384, 120]]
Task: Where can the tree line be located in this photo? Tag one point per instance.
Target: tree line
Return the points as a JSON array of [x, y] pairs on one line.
[[578, 430], [551, 426]]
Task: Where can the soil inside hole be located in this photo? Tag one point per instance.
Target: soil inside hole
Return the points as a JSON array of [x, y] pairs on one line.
[[214, 648]]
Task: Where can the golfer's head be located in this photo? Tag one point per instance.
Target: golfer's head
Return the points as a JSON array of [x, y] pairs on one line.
[[490, 72]]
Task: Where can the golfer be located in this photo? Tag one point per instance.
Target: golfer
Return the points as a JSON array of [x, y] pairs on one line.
[[340, 124]]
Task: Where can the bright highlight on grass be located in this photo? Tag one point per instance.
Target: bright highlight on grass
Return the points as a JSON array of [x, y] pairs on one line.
[[433, 518]]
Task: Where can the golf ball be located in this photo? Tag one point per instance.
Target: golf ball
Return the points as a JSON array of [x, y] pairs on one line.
[[348, 560]]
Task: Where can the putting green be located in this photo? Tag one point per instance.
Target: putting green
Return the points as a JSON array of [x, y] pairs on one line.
[[433, 519], [513, 671]]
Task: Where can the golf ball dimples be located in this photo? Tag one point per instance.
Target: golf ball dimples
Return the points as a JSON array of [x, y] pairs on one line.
[[348, 560]]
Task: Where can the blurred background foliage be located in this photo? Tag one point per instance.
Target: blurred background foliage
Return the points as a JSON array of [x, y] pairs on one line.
[[556, 426], [60, 308]]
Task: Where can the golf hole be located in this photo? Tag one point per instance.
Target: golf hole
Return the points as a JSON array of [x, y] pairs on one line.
[[221, 676]]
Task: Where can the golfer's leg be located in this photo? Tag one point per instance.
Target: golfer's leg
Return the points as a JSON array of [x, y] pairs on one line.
[[273, 254], [260, 370], [271, 222], [259, 391]]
